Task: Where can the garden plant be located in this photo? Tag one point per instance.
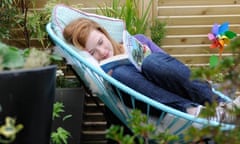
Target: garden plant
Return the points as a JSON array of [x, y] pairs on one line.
[[17, 19], [136, 20]]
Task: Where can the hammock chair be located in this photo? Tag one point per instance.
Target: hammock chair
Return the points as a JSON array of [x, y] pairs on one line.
[[109, 90]]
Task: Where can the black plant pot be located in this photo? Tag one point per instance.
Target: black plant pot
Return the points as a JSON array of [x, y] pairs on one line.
[[28, 96], [73, 100]]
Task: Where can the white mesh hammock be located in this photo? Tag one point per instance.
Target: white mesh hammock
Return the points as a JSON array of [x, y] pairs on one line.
[[109, 90]]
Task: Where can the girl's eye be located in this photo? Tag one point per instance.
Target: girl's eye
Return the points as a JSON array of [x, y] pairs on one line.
[[100, 42], [92, 52]]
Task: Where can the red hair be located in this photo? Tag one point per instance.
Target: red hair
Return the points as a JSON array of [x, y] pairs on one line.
[[78, 31]]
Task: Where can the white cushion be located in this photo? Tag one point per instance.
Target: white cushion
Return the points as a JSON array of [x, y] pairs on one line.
[[63, 15]]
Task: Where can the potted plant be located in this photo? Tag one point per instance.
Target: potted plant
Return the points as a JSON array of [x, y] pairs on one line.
[[19, 22], [27, 90], [71, 94]]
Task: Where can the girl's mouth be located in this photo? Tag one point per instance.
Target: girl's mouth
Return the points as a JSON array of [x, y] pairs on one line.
[[106, 55]]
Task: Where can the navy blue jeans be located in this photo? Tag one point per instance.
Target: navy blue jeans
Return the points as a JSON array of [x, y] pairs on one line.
[[166, 80]]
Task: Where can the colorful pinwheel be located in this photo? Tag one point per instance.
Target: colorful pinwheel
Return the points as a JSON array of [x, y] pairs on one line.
[[220, 36]]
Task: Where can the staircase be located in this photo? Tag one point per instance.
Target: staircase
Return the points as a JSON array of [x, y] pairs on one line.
[[94, 124]]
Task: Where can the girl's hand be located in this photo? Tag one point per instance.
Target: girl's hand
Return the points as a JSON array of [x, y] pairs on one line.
[[110, 72], [146, 50]]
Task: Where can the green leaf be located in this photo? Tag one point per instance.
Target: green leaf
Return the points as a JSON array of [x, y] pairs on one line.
[[13, 58], [60, 136], [4, 49], [213, 61], [67, 117], [230, 34], [56, 57], [58, 108], [26, 52]]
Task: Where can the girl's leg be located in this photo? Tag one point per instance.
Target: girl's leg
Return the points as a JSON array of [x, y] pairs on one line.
[[130, 76], [172, 75]]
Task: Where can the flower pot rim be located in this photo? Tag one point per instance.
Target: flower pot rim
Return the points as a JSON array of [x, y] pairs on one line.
[[69, 88], [28, 69]]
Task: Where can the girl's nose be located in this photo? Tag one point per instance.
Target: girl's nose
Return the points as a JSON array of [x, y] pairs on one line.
[[101, 51]]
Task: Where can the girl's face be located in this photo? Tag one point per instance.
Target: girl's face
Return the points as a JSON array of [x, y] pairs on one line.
[[98, 45]]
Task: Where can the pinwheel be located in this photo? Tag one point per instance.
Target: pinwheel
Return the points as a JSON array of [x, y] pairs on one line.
[[220, 36]]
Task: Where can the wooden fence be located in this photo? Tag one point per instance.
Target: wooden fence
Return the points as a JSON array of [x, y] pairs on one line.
[[189, 22]]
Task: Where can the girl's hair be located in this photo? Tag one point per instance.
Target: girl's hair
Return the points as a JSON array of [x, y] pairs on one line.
[[78, 31]]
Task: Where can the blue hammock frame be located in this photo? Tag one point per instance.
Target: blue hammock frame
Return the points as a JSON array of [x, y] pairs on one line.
[[109, 91]]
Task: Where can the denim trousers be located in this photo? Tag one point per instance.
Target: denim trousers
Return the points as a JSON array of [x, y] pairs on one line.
[[166, 80]]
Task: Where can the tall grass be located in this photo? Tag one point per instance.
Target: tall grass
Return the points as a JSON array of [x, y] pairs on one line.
[[135, 20]]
